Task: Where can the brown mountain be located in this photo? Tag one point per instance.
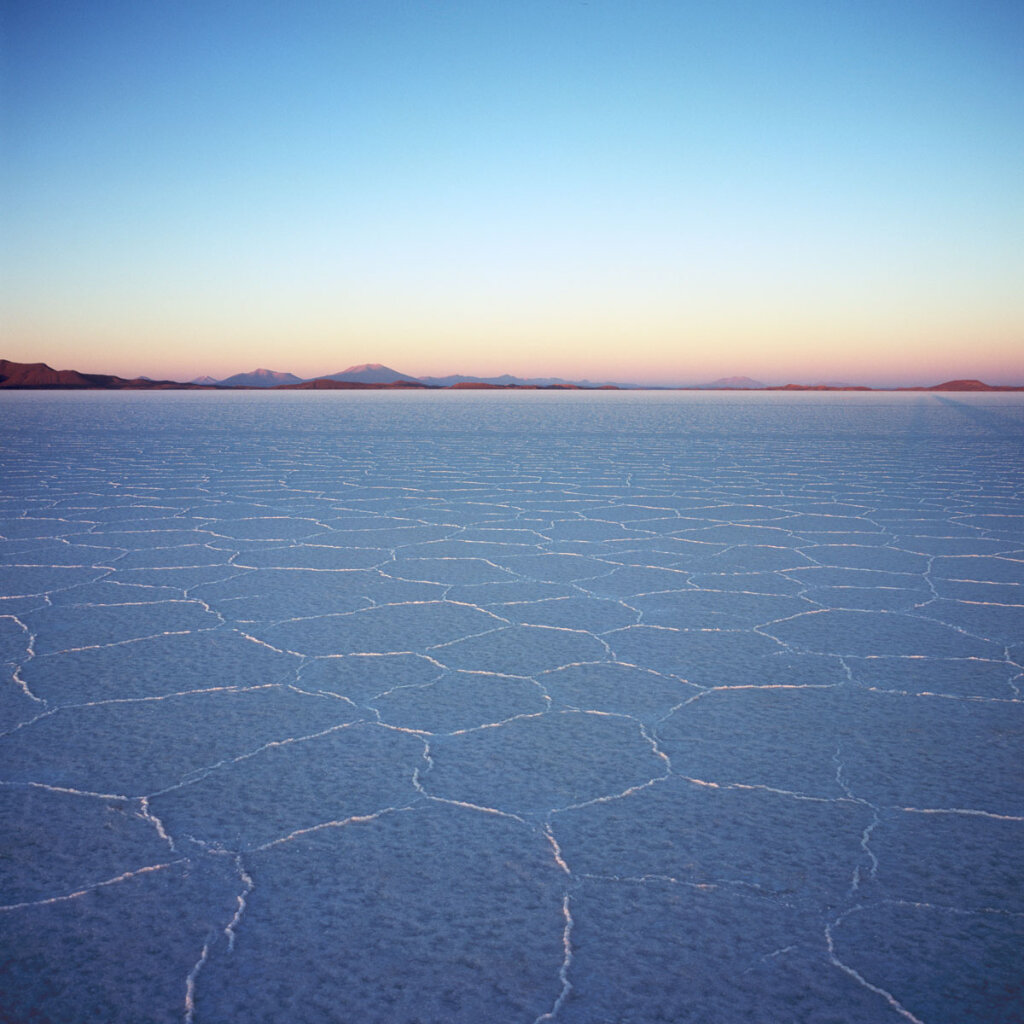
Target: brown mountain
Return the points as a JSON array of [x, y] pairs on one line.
[[39, 375], [971, 385]]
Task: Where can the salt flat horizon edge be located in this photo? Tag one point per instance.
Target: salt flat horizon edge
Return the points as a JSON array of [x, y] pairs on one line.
[[17, 376]]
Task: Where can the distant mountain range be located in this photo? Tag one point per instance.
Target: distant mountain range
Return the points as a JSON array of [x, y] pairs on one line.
[[39, 375], [375, 376]]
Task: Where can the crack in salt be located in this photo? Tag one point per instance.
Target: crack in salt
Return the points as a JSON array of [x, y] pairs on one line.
[[859, 978]]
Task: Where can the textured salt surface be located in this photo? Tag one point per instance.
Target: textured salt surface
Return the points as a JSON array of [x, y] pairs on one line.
[[462, 707]]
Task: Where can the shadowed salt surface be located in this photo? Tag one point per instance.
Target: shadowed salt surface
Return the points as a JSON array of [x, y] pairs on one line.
[[511, 707]]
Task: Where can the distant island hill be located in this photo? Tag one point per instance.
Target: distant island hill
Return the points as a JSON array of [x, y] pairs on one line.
[[374, 376]]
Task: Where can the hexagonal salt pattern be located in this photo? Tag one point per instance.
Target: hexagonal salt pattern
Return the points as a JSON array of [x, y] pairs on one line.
[[511, 707]]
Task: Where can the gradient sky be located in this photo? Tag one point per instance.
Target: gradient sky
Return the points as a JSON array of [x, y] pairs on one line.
[[646, 190]]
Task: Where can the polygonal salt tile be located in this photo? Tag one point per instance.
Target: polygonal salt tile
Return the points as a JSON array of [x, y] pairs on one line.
[[704, 657], [661, 526], [533, 765], [588, 530], [494, 596], [408, 903], [942, 966], [384, 537], [830, 576], [172, 558], [756, 558], [806, 523], [276, 594], [957, 677], [380, 588], [1000, 623], [138, 747], [56, 553], [158, 919], [312, 556], [931, 545], [1002, 525], [31, 581], [72, 626], [921, 859], [14, 606], [109, 591], [387, 629], [628, 513], [225, 510], [493, 534], [767, 536], [521, 650], [463, 548], [289, 787], [180, 578], [933, 752], [789, 738], [458, 701], [750, 582], [587, 613], [155, 667], [857, 556], [360, 677], [628, 581], [875, 599], [982, 593], [58, 843], [827, 508], [743, 513], [452, 570], [712, 836], [868, 633], [982, 568], [132, 514], [665, 553], [38, 527], [616, 689], [655, 950], [266, 528], [554, 568], [139, 540], [456, 514], [708, 609], [812, 541]]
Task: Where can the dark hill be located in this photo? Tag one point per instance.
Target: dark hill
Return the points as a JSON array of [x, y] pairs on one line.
[[39, 375]]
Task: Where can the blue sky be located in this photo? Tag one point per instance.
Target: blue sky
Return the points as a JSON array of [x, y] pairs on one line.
[[662, 191]]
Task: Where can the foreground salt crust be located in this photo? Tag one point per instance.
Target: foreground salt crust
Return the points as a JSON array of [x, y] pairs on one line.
[[519, 708]]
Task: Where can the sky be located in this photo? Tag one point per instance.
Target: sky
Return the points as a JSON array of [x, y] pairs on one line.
[[655, 191]]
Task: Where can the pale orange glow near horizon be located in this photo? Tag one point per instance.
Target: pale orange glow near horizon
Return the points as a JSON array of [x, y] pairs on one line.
[[598, 352], [660, 193]]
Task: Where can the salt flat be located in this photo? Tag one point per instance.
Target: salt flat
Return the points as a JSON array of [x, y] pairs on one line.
[[511, 707]]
